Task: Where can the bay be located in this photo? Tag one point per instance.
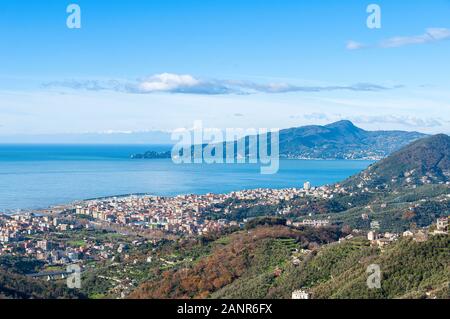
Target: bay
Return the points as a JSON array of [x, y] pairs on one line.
[[38, 176]]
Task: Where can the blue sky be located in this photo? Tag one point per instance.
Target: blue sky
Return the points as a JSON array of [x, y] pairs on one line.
[[148, 65]]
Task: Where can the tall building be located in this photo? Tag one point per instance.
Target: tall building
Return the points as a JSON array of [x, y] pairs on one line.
[[372, 235], [307, 186]]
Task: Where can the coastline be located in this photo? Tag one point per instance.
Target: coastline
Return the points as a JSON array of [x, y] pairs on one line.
[[41, 185]]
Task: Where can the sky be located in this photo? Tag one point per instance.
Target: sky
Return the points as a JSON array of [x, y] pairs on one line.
[[137, 66]]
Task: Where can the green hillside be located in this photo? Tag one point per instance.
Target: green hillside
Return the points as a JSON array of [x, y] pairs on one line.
[[410, 187], [409, 270], [271, 262], [14, 284], [426, 161], [229, 258]]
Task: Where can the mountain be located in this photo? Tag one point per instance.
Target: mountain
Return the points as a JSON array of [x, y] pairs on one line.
[[342, 140], [426, 161], [411, 186]]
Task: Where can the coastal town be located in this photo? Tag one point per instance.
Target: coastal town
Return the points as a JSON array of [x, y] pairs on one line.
[[184, 215], [60, 235], [191, 215], [119, 237]]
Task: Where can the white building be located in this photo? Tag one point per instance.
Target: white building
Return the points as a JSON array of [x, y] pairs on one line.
[[408, 233], [300, 294], [372, 235], [442, 224], [307, 186]]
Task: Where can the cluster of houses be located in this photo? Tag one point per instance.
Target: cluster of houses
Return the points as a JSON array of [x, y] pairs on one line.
[[190, 214], [382, 240], [26, 234], [15, 227], [179, 215], [53, 240], [419, 235]]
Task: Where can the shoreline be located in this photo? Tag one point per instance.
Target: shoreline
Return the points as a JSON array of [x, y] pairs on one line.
[[57, 205], [80, 201]]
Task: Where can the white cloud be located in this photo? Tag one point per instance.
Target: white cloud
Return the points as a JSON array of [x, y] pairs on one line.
[[188, 84], [353, 45], [431, 35], [409, 121], [168, 82], [49, 112]]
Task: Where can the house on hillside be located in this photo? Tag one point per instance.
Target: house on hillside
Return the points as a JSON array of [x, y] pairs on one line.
[[372, 235], [421, 236], [442, 224], [408, 233], [383, 242]]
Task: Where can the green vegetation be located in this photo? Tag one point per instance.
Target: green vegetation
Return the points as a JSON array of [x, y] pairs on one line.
[[259, 250], [259, 264], [399, 211], [14, 284], [409, 270], [20, 265]]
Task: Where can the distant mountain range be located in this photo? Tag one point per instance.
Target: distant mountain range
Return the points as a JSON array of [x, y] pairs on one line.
[[340, 140]]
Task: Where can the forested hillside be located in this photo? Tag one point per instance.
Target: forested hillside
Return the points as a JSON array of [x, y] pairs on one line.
[[274, 261]]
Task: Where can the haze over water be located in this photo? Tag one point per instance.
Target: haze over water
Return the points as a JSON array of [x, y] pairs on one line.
[[38, 176]]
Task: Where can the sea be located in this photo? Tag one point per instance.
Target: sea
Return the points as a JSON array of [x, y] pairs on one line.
[[40, 176]]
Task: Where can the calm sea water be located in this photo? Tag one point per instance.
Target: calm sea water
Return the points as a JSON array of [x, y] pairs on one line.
[[37, 176]]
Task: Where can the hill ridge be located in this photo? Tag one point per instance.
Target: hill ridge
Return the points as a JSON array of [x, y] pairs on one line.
[[425, 161]]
